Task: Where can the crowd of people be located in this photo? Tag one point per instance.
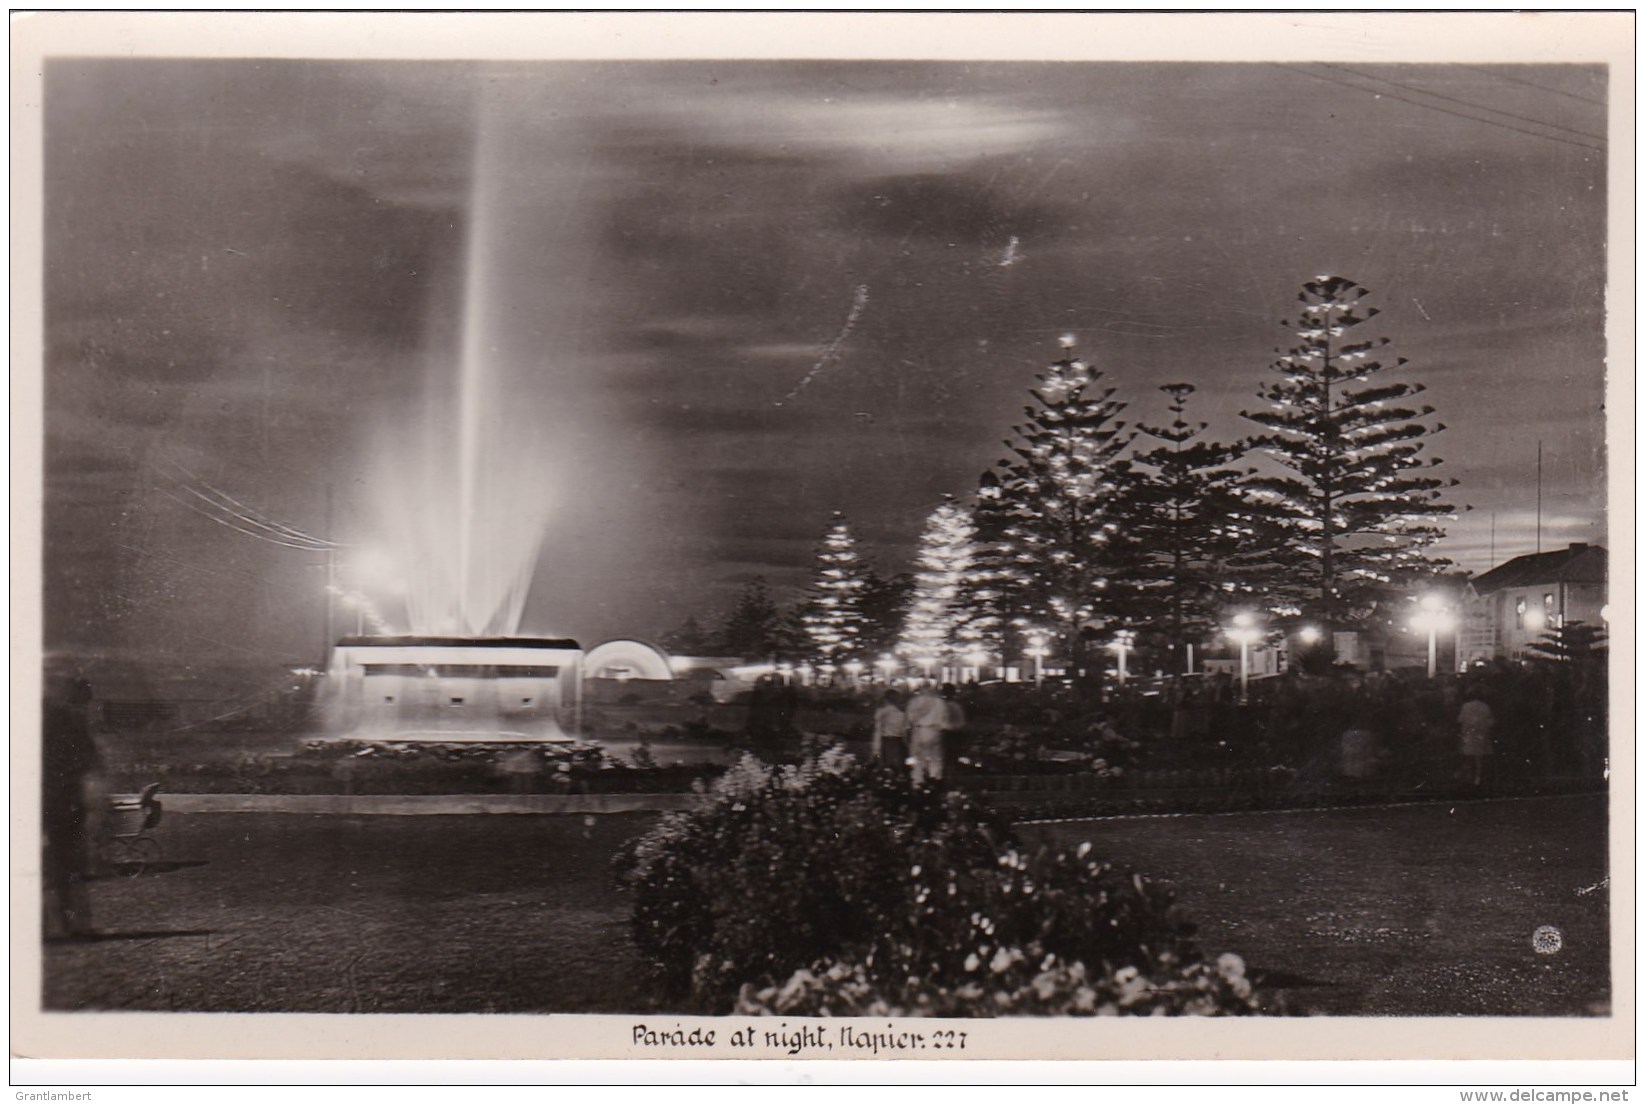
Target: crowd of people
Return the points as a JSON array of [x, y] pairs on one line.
[[1496, 721], [1500, 722]]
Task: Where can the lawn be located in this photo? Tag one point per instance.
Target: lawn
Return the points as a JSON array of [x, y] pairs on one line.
[[1414, 910], [1417, 910]]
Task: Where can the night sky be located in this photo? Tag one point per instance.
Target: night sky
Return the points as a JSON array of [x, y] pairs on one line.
[[730, 298]]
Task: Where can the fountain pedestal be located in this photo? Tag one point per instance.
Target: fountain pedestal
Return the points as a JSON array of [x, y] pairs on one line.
[[453, 689]]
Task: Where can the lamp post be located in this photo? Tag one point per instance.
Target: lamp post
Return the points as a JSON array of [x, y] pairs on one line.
[[1308, 639], [1036, 649], [1245, 631], [1432, 618], [1122, 644]]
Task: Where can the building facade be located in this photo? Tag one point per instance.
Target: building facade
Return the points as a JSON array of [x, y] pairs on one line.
[[1518, 603]]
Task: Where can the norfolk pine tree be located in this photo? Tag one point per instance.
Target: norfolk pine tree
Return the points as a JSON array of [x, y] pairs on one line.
[[989, 618], [752, 628], [1062, 501], [833, 616], [1190, 523], [1356, 507], [931, 632], [884, 609]]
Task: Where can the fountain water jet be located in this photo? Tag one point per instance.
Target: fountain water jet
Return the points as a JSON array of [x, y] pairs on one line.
[[465, 484]]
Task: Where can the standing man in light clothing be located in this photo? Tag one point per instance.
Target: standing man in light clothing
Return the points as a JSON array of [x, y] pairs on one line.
[[927, 721], [891, 732]]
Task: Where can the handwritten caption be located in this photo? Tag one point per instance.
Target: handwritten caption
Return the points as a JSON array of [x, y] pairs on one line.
[[805, 1040]]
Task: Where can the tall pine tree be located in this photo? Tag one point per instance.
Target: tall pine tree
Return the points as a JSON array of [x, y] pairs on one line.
[[752, 628], [884, 608], [689, 639], [931, 632], [1190, 524], [1061, 501], [833, 616], [990, 619], [1356, 506]]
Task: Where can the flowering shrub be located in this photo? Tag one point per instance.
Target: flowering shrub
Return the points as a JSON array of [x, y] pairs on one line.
[[838, 885], [407, 751], [1012, 982], [1016, 750], [408, 767]]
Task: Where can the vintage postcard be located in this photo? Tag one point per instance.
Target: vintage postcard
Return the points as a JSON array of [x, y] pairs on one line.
[[852, 536]]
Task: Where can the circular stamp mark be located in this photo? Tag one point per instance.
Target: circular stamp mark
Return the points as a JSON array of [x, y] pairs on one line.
[[1547, 940]]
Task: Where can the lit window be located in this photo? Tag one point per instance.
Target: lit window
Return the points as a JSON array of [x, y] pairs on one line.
[[1519, 613]]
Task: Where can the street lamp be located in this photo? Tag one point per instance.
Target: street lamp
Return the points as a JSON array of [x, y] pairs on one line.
[[1036, 649], [1432, 618], [887, 664], [1122, 644], [1309, 635], [1245, 631], [853, 668], [976, 658]]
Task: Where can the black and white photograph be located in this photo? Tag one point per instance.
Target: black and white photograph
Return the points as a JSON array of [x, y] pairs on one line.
[[848, 551]]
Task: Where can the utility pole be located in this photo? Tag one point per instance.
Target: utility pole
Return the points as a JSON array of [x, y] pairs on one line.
[[1539, 495], [331, 581]]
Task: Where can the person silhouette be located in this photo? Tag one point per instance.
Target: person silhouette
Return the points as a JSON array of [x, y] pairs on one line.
[[68, 761]]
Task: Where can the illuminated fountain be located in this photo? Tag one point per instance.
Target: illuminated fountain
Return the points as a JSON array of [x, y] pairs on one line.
[[465, 477], [457, 689]]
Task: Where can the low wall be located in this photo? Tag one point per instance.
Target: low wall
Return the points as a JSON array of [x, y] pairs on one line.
[[1035, 796], [413, 804]]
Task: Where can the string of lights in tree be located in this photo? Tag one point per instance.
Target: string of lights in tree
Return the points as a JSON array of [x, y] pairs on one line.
[[931, 631], [1057, 503], [1356, 507], [833, 619]]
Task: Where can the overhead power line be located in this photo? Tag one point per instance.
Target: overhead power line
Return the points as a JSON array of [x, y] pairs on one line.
[[1442, 110], [1544, 88], [229, 504], [227, 510], [220, 520], [1467, 103]]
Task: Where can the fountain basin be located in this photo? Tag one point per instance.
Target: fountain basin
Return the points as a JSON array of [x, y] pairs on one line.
[[503, 690]]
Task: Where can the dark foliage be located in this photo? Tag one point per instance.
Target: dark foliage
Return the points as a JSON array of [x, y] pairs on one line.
[[833, 862]]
